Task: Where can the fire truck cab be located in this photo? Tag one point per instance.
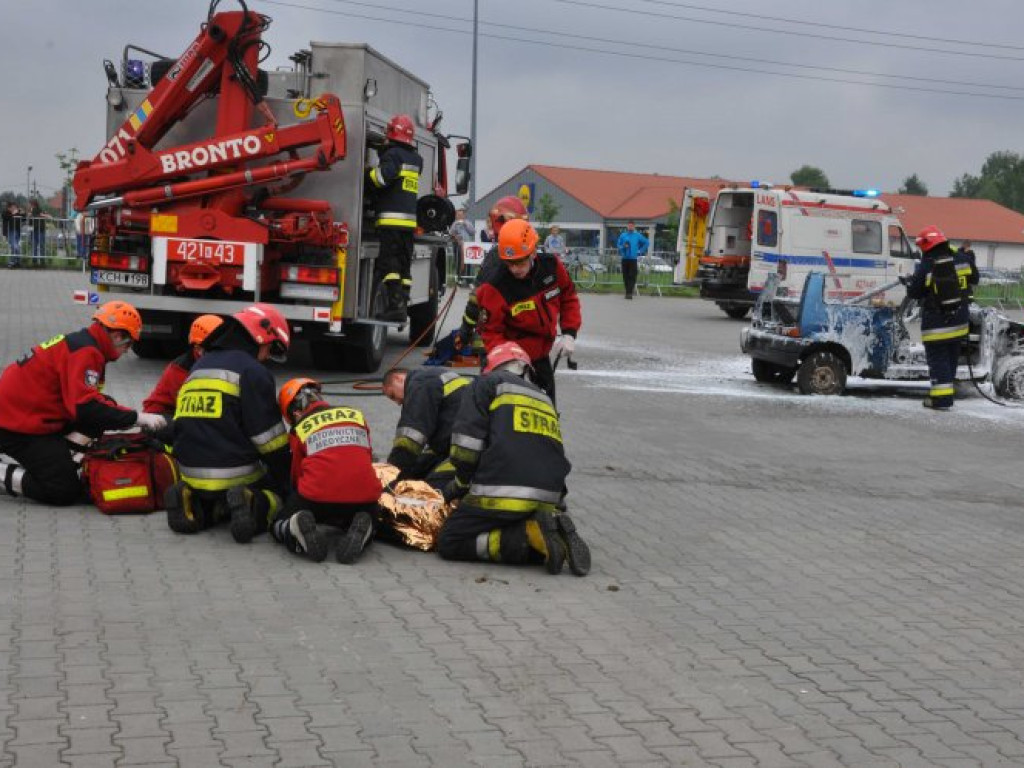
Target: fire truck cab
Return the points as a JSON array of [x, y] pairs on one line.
[[189, 224], [756, 231]]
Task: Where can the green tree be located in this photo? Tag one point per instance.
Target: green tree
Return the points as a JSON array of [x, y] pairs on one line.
[[913, 186], [68, 161], [809, 176], [547, 211], [1001, 179], [667, 233]]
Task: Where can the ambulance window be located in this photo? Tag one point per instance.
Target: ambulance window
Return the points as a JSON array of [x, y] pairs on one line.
[[867, 236], [898, 247], [767, 228]]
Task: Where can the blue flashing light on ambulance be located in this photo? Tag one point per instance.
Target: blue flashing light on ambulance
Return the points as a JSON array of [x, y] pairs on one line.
[[753, 231]]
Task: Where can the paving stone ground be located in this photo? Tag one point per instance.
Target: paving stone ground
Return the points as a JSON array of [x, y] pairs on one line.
[[777, 582]]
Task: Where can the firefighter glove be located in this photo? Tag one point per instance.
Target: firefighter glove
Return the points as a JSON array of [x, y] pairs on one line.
[[564, 346], [151, 422], [454, 490], [904, 279]]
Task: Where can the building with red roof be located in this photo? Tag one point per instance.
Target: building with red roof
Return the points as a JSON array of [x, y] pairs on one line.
[[594, 206]]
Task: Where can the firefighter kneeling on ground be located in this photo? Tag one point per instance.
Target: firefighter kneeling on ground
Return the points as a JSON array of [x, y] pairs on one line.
[[527, 299], [510, 473], [230, 443], [52, 403], [430, 400], [942, 283], [333, 480], [164, 396]]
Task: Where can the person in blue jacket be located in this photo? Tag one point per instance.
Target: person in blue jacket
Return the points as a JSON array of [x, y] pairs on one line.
[[632, 245]]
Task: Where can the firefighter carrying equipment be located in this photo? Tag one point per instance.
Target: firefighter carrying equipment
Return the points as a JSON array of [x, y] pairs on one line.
[[431, 402], [949, 282], [529, 311]]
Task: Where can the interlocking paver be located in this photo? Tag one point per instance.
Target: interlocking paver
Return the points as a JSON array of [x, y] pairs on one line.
[[794, 587]]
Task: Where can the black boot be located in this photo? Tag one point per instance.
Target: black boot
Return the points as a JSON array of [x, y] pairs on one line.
[[300, 535], [577, 553], [355, 539], [251, 512], [397, 307], [184, 512]]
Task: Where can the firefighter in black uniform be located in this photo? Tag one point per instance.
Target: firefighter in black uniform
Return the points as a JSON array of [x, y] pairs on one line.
[[505, 209], [510, 473], [397, 182], [942, 282], [230, 442], [430, 399]]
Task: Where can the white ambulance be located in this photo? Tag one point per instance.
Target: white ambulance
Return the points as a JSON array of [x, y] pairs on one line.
[[758, 230]]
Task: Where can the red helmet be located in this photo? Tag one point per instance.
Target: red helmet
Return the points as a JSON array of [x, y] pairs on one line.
[[401, 129], [517, 241], [506, 209], [202, 327], [266, 326], [293, 399], [929, 237], [506, 352], [120, 316]]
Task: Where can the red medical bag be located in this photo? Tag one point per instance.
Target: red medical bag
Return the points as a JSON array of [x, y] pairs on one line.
[[128, 472]]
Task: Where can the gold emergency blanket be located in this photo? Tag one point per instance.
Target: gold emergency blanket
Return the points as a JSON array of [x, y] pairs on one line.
[[413, 510]]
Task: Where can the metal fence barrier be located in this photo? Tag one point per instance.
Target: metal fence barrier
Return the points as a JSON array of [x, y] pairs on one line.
[[599, 270], [44, 241]]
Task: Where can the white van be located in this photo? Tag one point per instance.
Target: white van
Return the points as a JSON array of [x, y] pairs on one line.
[[756, 231]]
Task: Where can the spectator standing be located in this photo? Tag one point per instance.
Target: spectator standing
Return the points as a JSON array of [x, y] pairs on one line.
[[555, 242], [462, 231], [632, 245], [85, 228], [37, 225], [12, 221]]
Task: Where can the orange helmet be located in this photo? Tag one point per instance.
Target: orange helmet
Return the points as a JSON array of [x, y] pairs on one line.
[[202, 327], [400, 128], [517, 241], [266, 326], [296, 395], [929, 237], [505, 352], [506, 209], [120, 316]]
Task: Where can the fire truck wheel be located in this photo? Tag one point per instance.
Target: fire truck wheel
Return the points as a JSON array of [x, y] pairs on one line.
[[822, 373], [736, 313], [420, 316]]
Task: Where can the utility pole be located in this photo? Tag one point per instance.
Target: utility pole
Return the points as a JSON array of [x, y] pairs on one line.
[[472, 118]]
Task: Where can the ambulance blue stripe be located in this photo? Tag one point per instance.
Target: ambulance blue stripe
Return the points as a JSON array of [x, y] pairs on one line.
[[821, 261]]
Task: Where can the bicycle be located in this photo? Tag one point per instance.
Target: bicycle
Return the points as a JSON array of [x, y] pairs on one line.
[[583, 274]]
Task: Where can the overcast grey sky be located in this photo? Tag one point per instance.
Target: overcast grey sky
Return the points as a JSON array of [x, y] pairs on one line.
[[561, 105]]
